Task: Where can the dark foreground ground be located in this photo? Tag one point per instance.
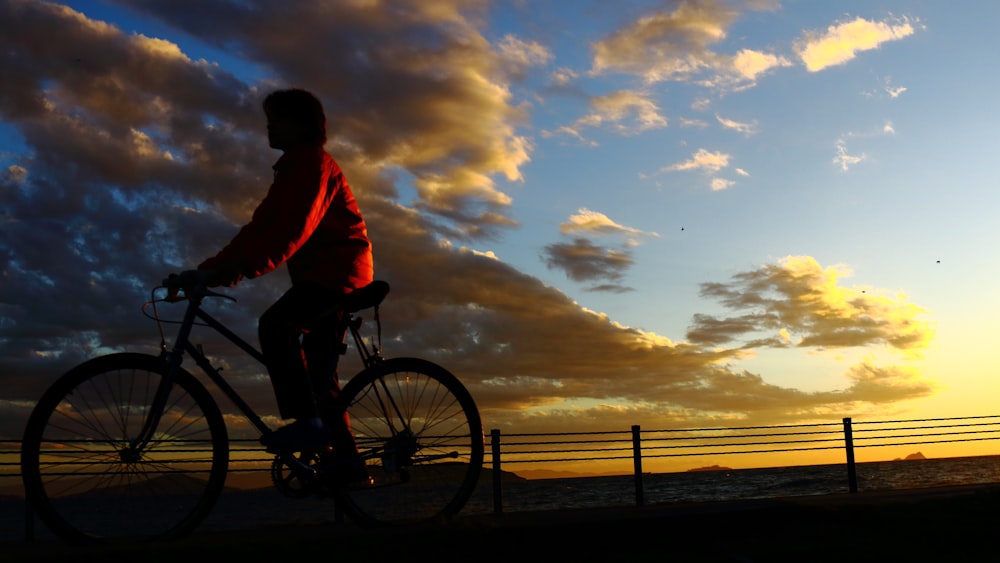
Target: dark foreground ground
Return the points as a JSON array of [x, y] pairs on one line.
[[953, 524]]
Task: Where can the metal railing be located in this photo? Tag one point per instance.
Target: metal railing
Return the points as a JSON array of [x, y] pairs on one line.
[[637, 446]]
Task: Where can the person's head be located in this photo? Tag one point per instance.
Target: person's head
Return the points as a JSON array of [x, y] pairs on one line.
[[294, 117]]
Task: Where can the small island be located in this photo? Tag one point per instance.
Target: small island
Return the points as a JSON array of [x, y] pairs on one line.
[[916, 455], [711, 468]]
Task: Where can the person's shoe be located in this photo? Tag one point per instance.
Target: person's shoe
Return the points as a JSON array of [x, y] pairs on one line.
[[301, 435]]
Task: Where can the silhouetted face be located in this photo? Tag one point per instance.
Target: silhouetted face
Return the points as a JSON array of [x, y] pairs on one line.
[[284, 133]]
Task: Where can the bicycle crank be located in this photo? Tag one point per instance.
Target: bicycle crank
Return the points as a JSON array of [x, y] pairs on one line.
[[294, 475]]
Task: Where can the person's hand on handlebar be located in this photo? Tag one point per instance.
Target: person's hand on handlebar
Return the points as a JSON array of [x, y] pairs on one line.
[[188, 279]]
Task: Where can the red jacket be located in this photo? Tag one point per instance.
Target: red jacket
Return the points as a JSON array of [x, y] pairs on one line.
[[310, 219]]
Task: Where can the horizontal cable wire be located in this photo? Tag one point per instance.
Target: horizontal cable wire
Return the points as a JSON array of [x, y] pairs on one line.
[[525, 448]]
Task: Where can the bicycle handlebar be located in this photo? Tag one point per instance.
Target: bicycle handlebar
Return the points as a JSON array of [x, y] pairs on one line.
[[192, 283]]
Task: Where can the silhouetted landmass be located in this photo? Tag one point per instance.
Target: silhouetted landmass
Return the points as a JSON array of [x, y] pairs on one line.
[[536, 474], [712, 468], [916, 455], [505, 476]]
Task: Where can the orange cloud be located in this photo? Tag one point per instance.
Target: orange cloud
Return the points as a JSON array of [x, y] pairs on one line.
[[804, 299]]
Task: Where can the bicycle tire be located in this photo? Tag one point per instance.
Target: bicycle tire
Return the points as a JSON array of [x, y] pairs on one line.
[[84, 481], [435, 479]]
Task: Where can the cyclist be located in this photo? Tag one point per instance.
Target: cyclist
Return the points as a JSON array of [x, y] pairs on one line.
[[309, 219]]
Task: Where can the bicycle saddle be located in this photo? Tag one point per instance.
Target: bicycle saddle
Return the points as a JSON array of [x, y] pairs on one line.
[[368, 296]]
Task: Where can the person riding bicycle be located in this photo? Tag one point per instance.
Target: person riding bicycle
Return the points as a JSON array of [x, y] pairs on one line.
[[309, 219]]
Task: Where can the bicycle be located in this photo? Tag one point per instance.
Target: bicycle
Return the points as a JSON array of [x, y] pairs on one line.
[[132, 447]]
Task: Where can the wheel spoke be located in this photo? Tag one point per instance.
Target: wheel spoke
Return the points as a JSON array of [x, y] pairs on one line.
[[87, 481], [419, 431]]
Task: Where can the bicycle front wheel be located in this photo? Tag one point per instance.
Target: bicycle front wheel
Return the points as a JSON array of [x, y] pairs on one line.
[[419, 432], [87, 479]]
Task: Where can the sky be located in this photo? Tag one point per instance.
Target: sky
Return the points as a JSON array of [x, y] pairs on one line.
[[672, 214]]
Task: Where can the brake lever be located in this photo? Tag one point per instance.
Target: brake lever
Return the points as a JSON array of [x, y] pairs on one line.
[[174, 296]]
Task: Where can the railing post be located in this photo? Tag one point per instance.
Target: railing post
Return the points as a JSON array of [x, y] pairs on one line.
[[637, 462], [497, 492], [852, 472]]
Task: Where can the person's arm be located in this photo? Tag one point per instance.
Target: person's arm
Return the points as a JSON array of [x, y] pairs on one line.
[[294, 206]]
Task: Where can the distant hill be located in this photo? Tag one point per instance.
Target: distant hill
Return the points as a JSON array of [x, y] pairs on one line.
[[505, 476], [533, 474], [711, 468], [549, 474], [916, 455]]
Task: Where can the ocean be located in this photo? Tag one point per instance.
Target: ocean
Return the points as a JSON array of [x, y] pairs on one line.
[[240, 509], [715, 485]]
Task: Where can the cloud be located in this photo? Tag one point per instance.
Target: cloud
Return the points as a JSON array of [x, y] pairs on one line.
[[680, 45], [140, 159], [675, 46], [744, 128], [842, 42], [584, 261], [414, 86], [881, 384], [845, 160], [587, 221], [688, 122], [625, 112], [804, 300], [749, 64], [522, 54], [895, 91], [705, 161], [719, 184], [701, 160], [562, 77], [665, 46]]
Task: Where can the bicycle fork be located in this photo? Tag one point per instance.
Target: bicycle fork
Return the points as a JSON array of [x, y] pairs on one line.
[[136, 445], [172, 361]]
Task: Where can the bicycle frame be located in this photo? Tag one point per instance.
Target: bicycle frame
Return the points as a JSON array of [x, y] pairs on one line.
[[183, 345], [404, 440]]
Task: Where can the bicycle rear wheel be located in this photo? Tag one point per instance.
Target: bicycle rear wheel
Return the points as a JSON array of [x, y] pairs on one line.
[[87, 482], [419, 432]]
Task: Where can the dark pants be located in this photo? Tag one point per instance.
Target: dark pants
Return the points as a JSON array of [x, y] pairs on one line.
[[301, 344]]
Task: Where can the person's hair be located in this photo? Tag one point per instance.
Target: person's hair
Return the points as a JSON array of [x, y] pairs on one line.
[[301, 106]]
